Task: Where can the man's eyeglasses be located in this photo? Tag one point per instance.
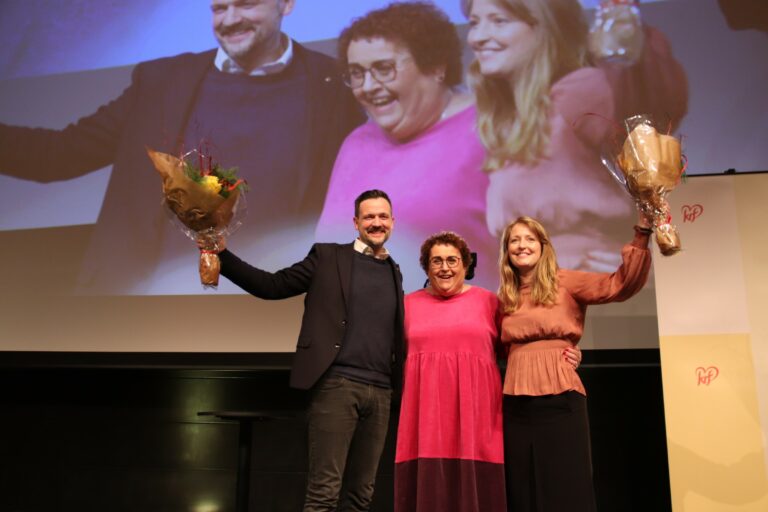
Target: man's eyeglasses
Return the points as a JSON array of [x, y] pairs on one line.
[[451, 261], [382, 71]]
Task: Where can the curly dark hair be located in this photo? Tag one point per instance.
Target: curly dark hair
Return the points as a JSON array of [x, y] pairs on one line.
[[445, 238], [425, 31]]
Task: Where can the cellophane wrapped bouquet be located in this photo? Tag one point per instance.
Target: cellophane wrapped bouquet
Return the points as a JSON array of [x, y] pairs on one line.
[[205, 199], [616, 34], [649, 165]]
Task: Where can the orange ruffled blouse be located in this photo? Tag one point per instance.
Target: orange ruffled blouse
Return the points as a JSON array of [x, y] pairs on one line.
[[537, 335]]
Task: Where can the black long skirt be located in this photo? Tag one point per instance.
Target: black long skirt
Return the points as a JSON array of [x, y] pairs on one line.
[[547, 453]]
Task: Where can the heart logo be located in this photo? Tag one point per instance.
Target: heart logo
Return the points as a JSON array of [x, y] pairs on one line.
[[691, 212], [706, 375]]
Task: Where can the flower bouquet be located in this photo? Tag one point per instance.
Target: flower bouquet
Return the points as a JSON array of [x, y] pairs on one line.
[[649, 165], [616, 34], [205, 199]]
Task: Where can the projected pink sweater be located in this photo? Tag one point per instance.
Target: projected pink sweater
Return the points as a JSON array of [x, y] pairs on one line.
[[435, 182]]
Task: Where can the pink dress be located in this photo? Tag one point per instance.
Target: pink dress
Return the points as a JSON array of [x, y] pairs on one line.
[[450, 453], [435, 182]]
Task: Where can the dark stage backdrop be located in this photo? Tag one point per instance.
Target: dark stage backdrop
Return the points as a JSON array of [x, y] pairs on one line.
[[58, 64]]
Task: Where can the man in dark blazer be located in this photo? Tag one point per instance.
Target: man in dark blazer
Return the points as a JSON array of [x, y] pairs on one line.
[[349, 351], [262, 102]]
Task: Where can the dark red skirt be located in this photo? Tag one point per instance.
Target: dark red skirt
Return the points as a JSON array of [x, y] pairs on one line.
[[449, 485]]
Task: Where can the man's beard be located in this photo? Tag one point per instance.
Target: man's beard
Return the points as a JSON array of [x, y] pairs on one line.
[[243, 48]]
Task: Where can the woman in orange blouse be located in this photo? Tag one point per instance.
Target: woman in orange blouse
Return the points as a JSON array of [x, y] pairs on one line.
[[546, 429]]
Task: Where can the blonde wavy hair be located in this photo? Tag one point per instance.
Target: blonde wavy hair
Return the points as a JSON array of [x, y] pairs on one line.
[[513, 112], [544, 285]]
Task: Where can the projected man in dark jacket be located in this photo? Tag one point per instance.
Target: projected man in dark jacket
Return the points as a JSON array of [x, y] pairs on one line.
[[263, 103]]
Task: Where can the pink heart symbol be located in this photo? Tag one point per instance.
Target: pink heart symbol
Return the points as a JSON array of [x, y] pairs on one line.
[[691, 212]]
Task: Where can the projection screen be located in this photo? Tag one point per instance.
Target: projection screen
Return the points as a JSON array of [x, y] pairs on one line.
[[75, 280]]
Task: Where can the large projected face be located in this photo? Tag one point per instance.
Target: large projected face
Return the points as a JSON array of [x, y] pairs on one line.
[[404, 100], [249, 30], [501, 42]]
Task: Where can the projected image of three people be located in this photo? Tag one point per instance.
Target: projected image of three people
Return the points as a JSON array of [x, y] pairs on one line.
[[519, 132]]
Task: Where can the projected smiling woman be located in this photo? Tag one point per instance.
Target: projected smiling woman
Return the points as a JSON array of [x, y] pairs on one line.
[[403, 64]]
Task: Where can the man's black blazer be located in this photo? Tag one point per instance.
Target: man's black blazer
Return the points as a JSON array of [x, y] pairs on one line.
[[325, 276]]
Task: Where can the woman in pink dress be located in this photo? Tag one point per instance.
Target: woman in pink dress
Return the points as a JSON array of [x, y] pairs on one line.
[[546, 429], [449, 454]]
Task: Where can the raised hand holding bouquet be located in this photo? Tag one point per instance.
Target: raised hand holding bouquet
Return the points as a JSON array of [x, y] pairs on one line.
[[206, 199], [650, 165]]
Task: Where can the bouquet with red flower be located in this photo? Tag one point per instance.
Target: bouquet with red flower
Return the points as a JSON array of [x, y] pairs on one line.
[[206, 199]]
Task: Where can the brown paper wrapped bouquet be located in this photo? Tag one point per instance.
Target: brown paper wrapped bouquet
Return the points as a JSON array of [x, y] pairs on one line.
[[650, 165], [205, 198]]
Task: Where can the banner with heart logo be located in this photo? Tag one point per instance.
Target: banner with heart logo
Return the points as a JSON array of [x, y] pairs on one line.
[[713, 336]]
